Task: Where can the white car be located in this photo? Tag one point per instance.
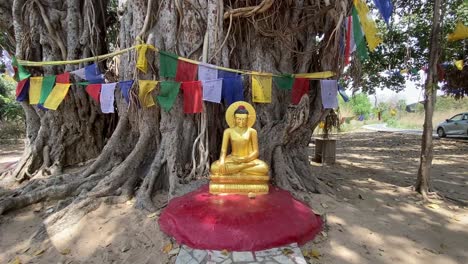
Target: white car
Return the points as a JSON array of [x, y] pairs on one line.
[[457, 125]]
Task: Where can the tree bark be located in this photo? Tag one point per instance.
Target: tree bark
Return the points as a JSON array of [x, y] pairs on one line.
[[423, 182], [150, 149]]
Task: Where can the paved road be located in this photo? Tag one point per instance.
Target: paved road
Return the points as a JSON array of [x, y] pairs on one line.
[[383, 128]]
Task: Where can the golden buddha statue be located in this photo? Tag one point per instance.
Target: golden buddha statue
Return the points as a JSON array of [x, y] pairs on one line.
[[240, 172]]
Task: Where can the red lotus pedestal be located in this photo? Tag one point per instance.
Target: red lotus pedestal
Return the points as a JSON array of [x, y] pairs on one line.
[[236, 223]]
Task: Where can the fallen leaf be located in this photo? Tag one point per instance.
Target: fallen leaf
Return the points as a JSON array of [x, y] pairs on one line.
[[324, 205], [287, 251], [39, 252], [324, 234], [224, 252], [314, 253], [65, 251], [26, 249], [152, 215], [433, 206], [167, 248]]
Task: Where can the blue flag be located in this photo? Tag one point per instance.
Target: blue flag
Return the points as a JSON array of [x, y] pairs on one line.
[[93, 74], [125, 87], [385, 8], [233, 90], [227, 74], [343, 93]]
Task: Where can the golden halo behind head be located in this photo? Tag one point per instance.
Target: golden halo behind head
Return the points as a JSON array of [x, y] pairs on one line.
[[233, 107]]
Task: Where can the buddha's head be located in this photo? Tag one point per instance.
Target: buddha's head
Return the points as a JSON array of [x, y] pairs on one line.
[[241, 115]]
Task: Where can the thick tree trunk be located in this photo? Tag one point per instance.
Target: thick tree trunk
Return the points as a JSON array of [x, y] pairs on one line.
[[423, 182], [151, 149]]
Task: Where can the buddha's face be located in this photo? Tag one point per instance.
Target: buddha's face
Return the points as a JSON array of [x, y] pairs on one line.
[[241, 120]]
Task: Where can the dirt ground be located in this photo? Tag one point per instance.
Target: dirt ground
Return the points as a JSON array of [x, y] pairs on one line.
[[374, 216]]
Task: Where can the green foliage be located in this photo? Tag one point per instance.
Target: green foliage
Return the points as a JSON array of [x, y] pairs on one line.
[[10, 110], [361, 105]]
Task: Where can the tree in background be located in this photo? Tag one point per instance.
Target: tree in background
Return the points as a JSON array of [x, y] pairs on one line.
[[361, 105]]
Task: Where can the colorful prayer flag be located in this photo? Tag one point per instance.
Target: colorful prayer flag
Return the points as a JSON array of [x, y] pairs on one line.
[[107, 97], [142, 63], [460, 32], [93, 74], [227, 74], [284, 82], [63, 78], [56, 96], [207, 72], [186, 71], [192, 97], [300, 88], [212, 90], [359, 38], [343, 93], [385, 8], [144, 92], [94, 90], [315, 75], [35, 86], [168, 94], [125, 87], [329, 91], [349, 30], [233, 90], [22, 90], [459, 64], [22, 72], [80, 73], [368, 24], [167, 64], [261, 88], [47, 86], [6, 58]]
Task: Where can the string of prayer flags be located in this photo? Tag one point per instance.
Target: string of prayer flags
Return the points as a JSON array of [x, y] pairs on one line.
[[47, 86], [359, 38], [284, 81], [343, 93], [192, 97], [212, 90], [80, 73], [186, 71], [57, 95], [207, 72], [125, 87], [144, 92], [107, 97], [300, 87], [368, 24], [94, 90], [261, 87], [329, 91], [142, 63], [233, 90], [385, 8], [168, 94], [63, 78], [227, 74], [460, 32], [35, 86], [22, 90], [167, 64]]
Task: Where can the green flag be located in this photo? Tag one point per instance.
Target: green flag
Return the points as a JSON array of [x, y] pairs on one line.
[[361, 47], [168, 94], [284, 82], [167, 64], [47, 85], [22, 72]]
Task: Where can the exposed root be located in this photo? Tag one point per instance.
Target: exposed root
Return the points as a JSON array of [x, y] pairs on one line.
[[143, 198]]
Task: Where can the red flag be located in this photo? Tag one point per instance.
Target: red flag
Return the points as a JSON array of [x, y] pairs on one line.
[[94, 90], [192, 97], [348, 40], [186, 71], [63, 78], [300, 87]]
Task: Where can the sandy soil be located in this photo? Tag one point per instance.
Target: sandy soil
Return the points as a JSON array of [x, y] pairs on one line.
[[374, 216]]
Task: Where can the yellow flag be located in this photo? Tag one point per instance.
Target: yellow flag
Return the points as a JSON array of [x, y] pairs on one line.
[[261, 87], [315, 75], [142, 63], [35, 86], [461, 32], [56, 96], [368, 24], [144, 92], [459, 64]]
